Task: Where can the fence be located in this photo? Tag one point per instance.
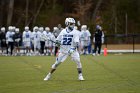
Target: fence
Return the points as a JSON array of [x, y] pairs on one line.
[[122, 42]]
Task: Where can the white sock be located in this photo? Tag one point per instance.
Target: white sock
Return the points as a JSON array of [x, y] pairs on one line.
[[49, 73], [80, 74]]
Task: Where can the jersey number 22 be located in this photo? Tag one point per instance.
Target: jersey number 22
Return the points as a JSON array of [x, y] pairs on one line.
[[67, 41]]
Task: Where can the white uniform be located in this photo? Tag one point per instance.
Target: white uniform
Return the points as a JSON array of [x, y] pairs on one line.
[[9, 36], [68, 40], [85, 38], [53, 39], [27, 38], [47, 42], [42, 34], [36, 39]]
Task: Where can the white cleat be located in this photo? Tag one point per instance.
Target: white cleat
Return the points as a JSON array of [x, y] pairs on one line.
[[47, 77], [94, 54], [81, 78]]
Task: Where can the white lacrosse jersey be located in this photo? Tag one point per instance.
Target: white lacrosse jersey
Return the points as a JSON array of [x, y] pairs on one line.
[[68, 39], [36, 39], [26, 36], [9, 36], [85, 35], [48, 43], [36, 36], [42, 34]]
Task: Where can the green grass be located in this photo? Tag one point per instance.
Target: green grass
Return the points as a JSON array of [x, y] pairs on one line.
[[110, 74]]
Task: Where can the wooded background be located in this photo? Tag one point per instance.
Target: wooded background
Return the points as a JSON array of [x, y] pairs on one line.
[[115, 16]]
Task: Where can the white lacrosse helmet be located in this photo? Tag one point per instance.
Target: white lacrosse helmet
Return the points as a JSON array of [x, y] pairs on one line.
[[13, 28], [3, 29], [10, 28], [35, 28], [26, 28], [47, 29], [84, 27], [69, 20], [41, 29], [70, 23], [17, 30], [55, 28]]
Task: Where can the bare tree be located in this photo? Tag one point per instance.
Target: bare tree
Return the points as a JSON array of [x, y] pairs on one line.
[[38, 10], [1, 12], [81, 9], [10, 12], [95, 10], [26, 12], [54, 4]]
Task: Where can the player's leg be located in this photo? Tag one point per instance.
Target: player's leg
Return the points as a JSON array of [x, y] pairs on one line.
[[18, 48], [82, 47], [12, 47], [15, 49], [61, 58], [55, 51], [76, 58], [38, 46], [99, 48], [46, 47], [42, 47], [3, 46], [95, 48], [28, 48], [86, 47]]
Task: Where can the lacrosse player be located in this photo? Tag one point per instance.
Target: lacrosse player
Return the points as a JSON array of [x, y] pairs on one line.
[[48, 43], [17, 41], [85, 38], [3, 39], [27, 40], [53, 44], [36, 40], [56, 32], [42, 40], [10, 39], [68, 40]]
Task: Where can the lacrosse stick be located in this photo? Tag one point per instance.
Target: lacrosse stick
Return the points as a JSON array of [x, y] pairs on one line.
[[58, 44]]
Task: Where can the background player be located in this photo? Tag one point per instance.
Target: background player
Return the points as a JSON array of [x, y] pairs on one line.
[[17, 41], [10, 40], [27, 40], [3, 40]]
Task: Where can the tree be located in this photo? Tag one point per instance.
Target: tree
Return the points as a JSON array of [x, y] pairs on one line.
[[2, 11], [10, 12], [81, 9], [96, 10], [37, 12], [26, 13]]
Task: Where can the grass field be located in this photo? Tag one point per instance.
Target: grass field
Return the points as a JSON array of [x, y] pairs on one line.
[[110, 74]]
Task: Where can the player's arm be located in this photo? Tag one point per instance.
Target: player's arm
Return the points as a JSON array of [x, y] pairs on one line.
[[102, 37], [59, 39]]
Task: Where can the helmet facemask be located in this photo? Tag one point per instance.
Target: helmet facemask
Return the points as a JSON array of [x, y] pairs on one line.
[[71, 26]]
